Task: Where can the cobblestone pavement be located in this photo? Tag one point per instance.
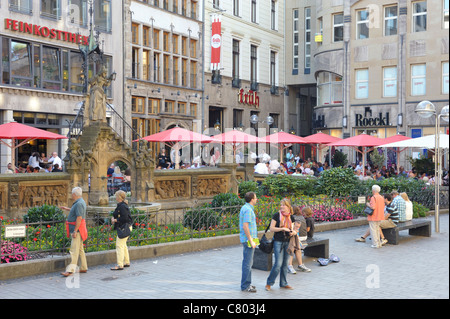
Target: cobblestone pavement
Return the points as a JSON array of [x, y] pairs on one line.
[[416, 268]]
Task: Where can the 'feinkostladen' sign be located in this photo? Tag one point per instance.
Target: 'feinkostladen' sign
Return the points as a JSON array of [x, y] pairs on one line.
[[45, 32]]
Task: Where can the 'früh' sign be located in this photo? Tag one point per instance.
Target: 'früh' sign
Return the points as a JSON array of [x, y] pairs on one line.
[[250, 98]]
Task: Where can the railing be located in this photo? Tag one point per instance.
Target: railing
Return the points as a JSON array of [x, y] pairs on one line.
[[149, 228]]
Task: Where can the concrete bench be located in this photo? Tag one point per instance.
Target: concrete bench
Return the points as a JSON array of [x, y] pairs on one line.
[[416, 227], [316, 247]]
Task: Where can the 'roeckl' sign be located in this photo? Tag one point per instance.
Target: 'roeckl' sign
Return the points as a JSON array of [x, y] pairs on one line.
[[376, 121], [45, 32], [251, 97]]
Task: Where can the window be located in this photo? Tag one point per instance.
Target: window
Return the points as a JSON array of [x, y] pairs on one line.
[[51, 68], [22, 6], [137, 104], [166, 41], [51, 9], [184, 46], [253, 11], [273, 15], [446, 14], [193, 44], [146, 36], [362, 84], [418, 79], [78, 12], [175, 62], [175, 6], [146, 65], [389, 81], [237, 118], [307, 38], [193, 74], [153, 106], [445, 78], [168, 106], [135, 33], [338, 27], [155, 39], [102, 15], [235, 71], [21, 63], [390, 20], [193, 109], [135, 63], [193, 9], [175, 43], [273, 71], [181, 108], [166, 67], [362, 24], [295, 39], [156, 67], [236, 7], [253, 66], [329, 88], [216, 4], [419, 16]]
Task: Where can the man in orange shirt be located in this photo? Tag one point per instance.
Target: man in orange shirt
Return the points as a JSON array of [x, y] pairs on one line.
[[377, 204]]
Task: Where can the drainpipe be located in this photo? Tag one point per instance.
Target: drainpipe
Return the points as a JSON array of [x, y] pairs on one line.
[[203, 67]]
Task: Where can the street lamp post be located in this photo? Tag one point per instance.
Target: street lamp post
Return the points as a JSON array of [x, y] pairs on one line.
[[426, 109]]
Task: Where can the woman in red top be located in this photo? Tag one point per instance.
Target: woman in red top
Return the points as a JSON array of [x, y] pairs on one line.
[[377, 204]]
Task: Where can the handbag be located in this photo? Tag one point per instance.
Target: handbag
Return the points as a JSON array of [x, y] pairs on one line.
[[265, 244], [123, 231], [368, 211]]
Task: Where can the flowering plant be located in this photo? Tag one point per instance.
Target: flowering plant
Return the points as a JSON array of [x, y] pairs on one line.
[[11, 252]]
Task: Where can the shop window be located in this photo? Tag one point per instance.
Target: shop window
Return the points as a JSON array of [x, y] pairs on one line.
[[51, 9], [418, 79], [445, 78], [362, 84], [389, 81]]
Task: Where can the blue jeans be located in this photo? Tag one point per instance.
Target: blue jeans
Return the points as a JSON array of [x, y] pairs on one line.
[[281, 263], [247, 264]]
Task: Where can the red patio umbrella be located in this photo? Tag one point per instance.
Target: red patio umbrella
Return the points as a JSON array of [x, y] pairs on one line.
[[321, 139], [236, 137], [176, 135], [16, 131], [283, 139], [362, 140]]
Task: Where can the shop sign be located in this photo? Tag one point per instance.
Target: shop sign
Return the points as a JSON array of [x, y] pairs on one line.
[[250, 97], [45, 32], [362, 120]]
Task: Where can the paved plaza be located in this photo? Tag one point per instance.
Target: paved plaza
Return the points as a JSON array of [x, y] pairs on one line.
[[416, 268]]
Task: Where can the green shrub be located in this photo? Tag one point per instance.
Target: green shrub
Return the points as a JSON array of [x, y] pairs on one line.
[[227, 199], [337, 181], [285, 185], [419, 210], [45, 213], [247, 186]]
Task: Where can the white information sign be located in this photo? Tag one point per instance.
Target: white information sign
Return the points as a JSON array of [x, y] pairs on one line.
[[15, 231], [361, 200]]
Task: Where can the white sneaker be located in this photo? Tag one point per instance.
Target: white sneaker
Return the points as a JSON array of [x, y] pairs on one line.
[[291, 269], [303, 268]]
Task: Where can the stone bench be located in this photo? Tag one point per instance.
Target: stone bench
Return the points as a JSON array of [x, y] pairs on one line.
[[316, 247], [416, 227]]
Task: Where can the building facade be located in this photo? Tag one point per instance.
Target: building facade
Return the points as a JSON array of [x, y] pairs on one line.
[[42, 74], [250, 79], [373, 62], [163, 65]]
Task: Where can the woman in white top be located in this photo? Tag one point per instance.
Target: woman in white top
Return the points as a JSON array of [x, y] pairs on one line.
[[409, 206]]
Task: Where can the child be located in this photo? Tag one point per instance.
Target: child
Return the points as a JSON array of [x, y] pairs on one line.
[[307, 213], [300, 228]]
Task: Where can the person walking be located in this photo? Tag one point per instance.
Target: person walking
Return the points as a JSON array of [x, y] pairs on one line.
[[282, 225], [377, 204], [121, 217], [76, 229], [247, 232]]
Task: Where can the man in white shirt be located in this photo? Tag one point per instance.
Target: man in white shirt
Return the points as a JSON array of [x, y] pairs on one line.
[[55, 160], [262, 168], [273, 166], [264, 157]]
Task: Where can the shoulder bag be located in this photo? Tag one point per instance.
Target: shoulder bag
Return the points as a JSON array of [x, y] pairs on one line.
[[265, 244], [368, 211]]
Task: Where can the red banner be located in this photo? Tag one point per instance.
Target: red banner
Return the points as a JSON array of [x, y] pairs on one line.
[[216, 42]]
